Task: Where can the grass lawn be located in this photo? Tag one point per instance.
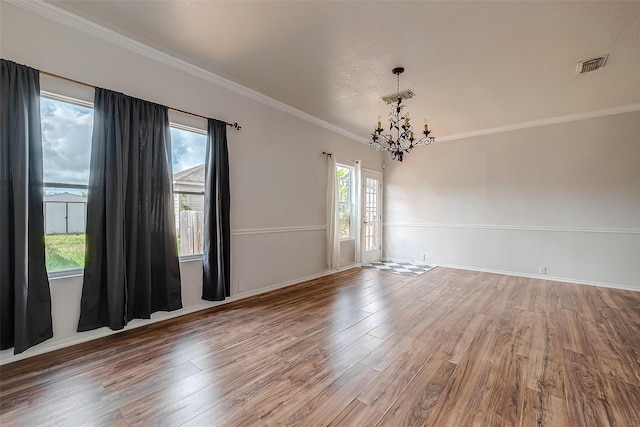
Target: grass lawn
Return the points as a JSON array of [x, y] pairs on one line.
[[64, 251]]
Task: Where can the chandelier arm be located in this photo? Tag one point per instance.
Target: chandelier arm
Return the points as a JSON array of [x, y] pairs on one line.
[[404, 141]]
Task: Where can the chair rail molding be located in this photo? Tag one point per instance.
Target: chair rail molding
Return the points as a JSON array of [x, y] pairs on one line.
[[514, 227], [272, 230]]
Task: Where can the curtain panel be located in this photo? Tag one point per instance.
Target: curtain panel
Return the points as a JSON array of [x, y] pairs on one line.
[[25, 298], [132, 265], [333, 219], [357, 215], [216, 254]]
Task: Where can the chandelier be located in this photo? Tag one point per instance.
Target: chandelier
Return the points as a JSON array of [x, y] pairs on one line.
[[400, 140]]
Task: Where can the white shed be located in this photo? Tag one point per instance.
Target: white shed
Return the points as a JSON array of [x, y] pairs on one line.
[[65, 213]]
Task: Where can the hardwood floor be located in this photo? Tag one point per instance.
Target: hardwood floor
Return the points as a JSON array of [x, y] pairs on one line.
[[358, 348]]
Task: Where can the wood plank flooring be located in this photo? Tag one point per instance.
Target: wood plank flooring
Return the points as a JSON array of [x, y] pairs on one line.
[[358, 348]]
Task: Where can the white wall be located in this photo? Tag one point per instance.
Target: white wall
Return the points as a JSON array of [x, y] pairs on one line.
[[563, 196], [277, 169]]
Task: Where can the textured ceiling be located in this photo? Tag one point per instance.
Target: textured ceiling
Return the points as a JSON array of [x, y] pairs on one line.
[[472, 65]]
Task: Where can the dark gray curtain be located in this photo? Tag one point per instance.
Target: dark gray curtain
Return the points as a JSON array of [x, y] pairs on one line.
[[216, 254], [25, 300], [131, 266]]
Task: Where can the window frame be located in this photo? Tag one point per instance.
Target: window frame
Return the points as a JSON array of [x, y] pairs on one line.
[[186, 128], [82, 97], [45, 184], [351, 202]]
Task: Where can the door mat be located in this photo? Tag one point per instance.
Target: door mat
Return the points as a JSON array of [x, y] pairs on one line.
[[400, 267]]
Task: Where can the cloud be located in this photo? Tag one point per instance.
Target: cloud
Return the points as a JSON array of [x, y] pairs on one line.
[[66, 141], [188, 149]]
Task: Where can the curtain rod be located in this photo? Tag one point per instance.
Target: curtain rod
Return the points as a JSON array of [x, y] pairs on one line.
[[233, 125], [340, 157]]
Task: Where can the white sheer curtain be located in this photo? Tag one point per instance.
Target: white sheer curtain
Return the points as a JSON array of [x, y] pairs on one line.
[[357, 209], [333, 222]]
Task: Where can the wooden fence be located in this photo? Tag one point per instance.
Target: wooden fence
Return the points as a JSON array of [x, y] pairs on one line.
[[191, 232]]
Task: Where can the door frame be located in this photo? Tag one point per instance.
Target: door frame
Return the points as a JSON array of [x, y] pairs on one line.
[[379, 176]]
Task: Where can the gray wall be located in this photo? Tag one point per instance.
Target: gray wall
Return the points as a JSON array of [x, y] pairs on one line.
[[563, 196], [278, 171]]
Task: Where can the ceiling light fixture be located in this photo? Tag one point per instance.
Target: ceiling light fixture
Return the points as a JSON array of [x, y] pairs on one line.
[[404, 140]]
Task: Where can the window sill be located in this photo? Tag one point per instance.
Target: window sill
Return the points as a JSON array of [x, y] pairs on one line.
[[348, 240], [66, 273], [188, 258], [77, 272]]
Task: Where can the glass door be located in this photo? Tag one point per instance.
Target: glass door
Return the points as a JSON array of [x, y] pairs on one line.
[[372, 216]]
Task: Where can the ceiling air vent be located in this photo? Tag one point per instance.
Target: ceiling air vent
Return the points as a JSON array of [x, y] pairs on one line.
[[405, 94], [591, 64]]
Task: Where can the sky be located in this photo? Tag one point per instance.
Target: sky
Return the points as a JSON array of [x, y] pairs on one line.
[[66, 143], [188, 149]]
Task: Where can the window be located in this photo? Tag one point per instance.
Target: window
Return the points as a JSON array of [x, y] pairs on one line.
[[188, 146], [345, 202], [66, 145], [66, 152]]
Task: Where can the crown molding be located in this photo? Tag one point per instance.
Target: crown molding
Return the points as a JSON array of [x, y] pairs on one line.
[[86, 26], [544, 122]]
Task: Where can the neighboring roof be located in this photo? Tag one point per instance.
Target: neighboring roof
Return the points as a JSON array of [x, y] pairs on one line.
[[65, 197], [194, 174]]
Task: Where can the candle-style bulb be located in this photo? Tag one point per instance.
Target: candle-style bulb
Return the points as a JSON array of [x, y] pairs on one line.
[[426, 126], [379, 122]]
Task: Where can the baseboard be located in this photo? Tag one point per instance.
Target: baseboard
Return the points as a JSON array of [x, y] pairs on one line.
[[542, 277], [281, 285], [156, 317]]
